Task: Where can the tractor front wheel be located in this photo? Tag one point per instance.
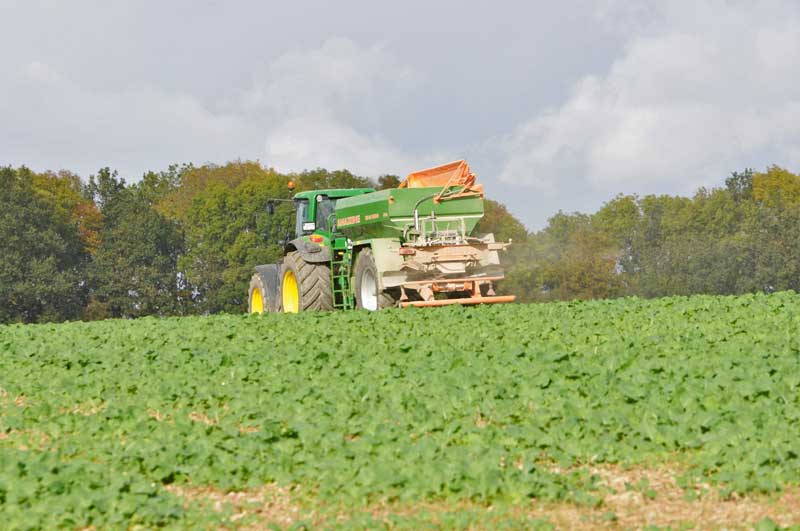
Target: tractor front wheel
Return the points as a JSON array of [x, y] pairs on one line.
[[264, 289], [305, 286], [368, 295]]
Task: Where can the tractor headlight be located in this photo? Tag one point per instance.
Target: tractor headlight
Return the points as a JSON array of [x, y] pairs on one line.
[[309, 226]]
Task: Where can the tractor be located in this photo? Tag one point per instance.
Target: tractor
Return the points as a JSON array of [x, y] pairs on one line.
[[364, 249]]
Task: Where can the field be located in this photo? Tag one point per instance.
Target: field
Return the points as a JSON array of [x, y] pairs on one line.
[[627, 413]]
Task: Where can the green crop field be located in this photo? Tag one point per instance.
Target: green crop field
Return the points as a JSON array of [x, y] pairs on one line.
[[455, 417]]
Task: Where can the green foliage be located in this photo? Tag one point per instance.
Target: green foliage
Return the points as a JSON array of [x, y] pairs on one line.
[[573, 258], [42, 253], [189, 181], [388, 181], [354, 408], [103, 187], [740, 185], [738, 239], [64, 194], [776, 187], [134, 272], [321, 178], [65, 490]]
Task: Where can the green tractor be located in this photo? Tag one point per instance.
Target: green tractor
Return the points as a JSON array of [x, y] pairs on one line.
[[364, 249]]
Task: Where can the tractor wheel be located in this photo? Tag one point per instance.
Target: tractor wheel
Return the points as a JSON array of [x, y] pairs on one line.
[[264, 290], [368, 297], [305, 286]]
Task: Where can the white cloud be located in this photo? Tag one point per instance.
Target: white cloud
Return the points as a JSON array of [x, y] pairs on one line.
[[338, 77], [52, 121], [703, 89], [322, 105], [307, 142]]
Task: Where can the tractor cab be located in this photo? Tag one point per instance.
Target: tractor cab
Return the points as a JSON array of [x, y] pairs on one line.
[[314, 212]]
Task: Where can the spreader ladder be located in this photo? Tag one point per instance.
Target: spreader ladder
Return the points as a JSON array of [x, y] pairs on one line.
[[341, 258]]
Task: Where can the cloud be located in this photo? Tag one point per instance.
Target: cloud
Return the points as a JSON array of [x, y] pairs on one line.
[[53, 121], [307, 142], [323, 105], [701, 89], [318, 107], [339, 77]]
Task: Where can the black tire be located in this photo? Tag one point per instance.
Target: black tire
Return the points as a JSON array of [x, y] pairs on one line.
[[264, 284], [365, 265], [313, 282], [458, 295]]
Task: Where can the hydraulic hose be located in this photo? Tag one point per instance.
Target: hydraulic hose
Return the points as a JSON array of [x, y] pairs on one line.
[[416, 210]]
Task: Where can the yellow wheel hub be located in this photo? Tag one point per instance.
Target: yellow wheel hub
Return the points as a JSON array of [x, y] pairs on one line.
[[291, 294], [256, 302]]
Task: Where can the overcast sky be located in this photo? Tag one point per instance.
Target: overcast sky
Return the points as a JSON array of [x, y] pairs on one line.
[[556, 105]]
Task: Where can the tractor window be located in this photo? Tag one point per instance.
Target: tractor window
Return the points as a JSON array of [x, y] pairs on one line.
[[325, 208], [302, 212]]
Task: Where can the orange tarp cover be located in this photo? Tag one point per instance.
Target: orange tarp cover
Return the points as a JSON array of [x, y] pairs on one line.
[[452, 174]]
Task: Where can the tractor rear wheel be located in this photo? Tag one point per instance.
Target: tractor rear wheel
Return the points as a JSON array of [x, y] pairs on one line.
[[368, 296], [305, 286]]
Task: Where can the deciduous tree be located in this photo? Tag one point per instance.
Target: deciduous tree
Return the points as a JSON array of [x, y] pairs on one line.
[[42, 258]]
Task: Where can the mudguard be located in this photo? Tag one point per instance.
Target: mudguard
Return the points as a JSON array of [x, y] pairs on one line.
[[310, 252], [387, 261]]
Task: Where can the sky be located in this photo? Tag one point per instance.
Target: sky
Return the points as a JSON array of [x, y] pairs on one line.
[[557, 106]]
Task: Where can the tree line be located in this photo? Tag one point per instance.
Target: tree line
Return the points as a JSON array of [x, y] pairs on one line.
[[740, 237], [184, 241]]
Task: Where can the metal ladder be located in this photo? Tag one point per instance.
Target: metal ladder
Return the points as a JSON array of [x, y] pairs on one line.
[[341, 258]]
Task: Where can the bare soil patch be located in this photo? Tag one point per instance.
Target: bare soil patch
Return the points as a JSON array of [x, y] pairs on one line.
[[269, 504], [635, 498], [641, 497]]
